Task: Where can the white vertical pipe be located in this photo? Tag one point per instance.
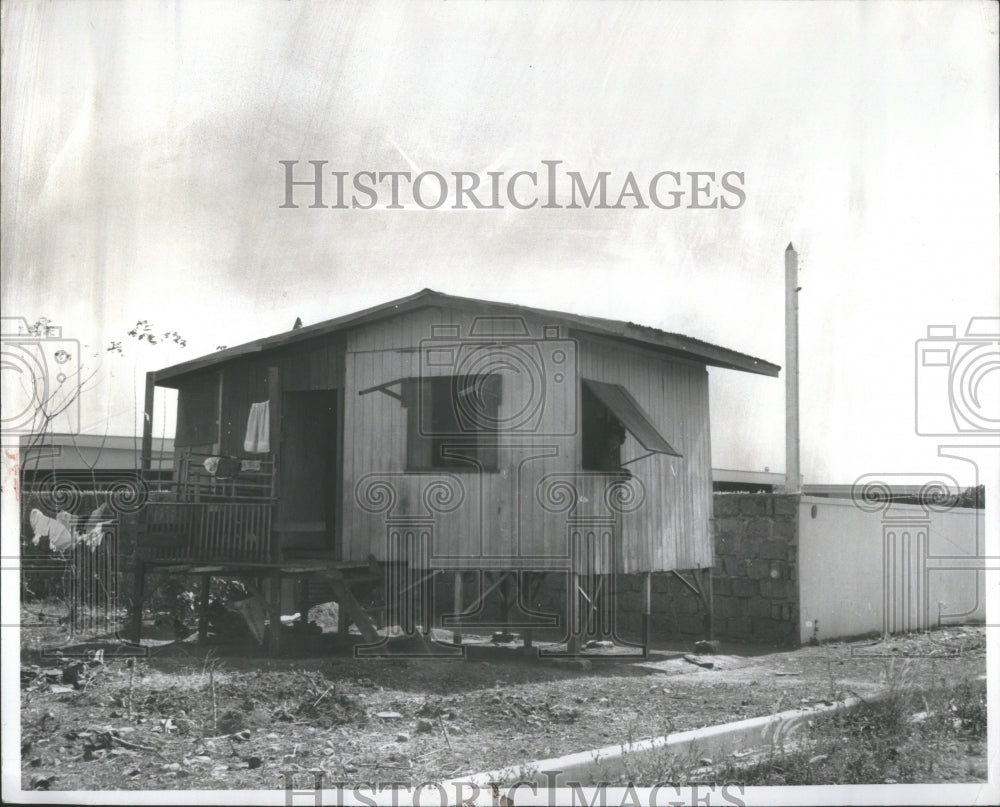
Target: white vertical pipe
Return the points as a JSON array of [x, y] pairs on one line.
[[792, 473]]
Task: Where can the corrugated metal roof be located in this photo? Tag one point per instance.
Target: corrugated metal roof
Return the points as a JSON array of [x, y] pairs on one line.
[[668, 343]]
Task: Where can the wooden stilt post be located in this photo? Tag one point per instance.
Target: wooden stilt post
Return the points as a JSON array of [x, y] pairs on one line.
[[274, 625], [138, 595], [647, 616], [206, 587], [456, 635], [573, 643], [526, 635], [146, 451], [706, 590], [303, 602]]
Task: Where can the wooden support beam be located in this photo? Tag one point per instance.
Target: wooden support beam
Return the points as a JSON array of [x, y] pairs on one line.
[[456, 635], [573, 642], [274, 429], [647, 616], [686, 582], [206, 587], [138, 595], [527, 635], [709, 602], [348, 608], [146, 456], [481, 598], [421, 581], [303, 601], [274, 617]]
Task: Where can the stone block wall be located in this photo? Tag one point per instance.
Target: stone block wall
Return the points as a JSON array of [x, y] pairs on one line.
[[755, 580]]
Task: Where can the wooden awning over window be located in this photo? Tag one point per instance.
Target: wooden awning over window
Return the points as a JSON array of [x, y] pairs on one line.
[[618, 399]]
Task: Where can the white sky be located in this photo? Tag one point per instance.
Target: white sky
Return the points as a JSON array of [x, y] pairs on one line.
[[141, 180]]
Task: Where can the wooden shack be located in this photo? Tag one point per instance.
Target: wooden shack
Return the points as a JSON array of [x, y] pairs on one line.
[[436, 436]]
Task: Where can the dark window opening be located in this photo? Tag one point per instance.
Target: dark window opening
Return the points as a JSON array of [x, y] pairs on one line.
[[607, 412], [198, 412], [603, 435], [452, 422]]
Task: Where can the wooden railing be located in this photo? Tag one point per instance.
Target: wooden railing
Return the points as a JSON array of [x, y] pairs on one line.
[[207, 531], [235, 479]]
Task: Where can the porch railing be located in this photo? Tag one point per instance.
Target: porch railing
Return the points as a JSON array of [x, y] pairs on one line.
[[207, 531]]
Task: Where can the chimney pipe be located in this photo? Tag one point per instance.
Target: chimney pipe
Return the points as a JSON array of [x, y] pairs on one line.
[[792, 474]]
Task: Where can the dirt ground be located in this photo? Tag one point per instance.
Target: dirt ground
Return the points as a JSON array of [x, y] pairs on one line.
[[187, 717]]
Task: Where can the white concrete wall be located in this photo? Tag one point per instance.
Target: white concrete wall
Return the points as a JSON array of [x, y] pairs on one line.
[[909, 566]]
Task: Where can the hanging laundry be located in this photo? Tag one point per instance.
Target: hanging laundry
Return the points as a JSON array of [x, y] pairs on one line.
[[258, 439], [211, 464], [55, 529], [249, 465], [94, 536]]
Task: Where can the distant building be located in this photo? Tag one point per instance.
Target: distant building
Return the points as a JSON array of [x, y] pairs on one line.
[[88, 460], [725, 480]]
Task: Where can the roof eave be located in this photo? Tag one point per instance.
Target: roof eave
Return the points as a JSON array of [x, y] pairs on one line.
[[676, 344]]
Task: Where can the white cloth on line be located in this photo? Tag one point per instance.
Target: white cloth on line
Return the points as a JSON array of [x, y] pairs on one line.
[[55, 529], [258, 439]]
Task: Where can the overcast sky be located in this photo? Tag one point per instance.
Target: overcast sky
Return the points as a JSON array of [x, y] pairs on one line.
[[141, 180]]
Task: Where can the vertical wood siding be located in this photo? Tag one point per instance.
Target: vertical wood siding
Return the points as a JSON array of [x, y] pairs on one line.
[[522, 515], [672, 529]]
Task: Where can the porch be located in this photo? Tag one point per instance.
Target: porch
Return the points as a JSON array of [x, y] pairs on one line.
[[220, 519]]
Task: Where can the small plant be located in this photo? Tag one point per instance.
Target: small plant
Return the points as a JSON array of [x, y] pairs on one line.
[[968, 705]]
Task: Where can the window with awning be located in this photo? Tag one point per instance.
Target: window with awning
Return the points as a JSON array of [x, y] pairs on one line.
[[608, 412], [452, 422]]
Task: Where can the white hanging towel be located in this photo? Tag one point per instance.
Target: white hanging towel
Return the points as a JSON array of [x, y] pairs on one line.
[[258, 439]]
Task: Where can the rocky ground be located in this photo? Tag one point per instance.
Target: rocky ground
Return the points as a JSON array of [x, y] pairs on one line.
[[184, 717]]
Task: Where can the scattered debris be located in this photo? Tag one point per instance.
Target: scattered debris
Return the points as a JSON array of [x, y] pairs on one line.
[[42, 782], [708, 665]]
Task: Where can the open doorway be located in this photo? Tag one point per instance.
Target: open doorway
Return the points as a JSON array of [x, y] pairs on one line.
[[307, 509]]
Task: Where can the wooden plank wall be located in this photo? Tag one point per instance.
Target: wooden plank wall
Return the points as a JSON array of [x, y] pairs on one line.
[[672, 530], [243, 382], [516, 518], [313, 365]]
